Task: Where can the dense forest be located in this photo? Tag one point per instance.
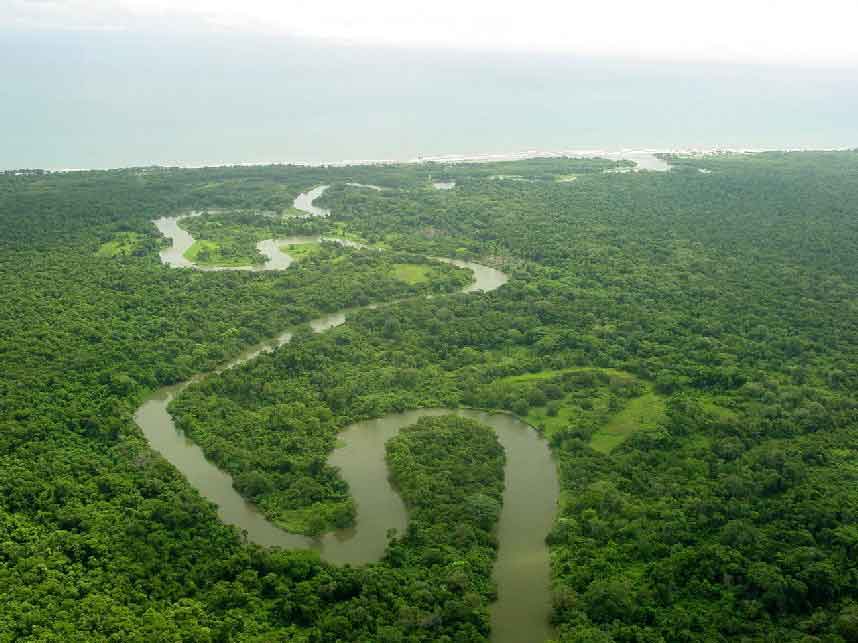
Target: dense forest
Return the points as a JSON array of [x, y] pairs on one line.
[[686, 341]]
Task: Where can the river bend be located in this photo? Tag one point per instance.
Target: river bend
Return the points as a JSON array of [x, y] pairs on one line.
[[522, 570]]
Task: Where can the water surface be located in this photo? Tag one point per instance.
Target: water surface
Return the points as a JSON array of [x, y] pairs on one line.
[[522, 570], [272, 249], [304, 201], [181, 241], [643, 159], [182, 98]]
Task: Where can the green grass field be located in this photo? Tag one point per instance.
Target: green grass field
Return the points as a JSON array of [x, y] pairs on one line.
[[310, 520], [642, 413], [341, 230], [293, 213], [549, 374], [567, 414], [412, 273], [300, 251], [210, 253], [718, 411], [123, 245]]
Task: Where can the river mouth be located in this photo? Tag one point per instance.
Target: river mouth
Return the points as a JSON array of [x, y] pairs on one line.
[[522, 569]]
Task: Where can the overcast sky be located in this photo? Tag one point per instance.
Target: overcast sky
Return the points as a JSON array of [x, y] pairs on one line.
[[769, 31]]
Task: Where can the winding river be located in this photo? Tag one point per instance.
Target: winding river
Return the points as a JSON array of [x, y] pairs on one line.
[[522, 571]]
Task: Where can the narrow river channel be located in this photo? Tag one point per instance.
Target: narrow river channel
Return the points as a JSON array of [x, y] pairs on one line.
[[522, 570]]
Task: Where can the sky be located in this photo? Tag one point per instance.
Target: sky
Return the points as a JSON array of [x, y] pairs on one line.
[[789, 32], [116, 83]]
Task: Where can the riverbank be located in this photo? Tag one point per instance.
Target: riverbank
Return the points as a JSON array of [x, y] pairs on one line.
[[522, 570]]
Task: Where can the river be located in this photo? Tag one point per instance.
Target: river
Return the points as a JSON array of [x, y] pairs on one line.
[[522, 570]]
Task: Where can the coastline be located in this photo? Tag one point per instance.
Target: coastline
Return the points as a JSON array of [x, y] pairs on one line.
[[472, 158]]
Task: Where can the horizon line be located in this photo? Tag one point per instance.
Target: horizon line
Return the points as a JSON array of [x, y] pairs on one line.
[[454, 158]]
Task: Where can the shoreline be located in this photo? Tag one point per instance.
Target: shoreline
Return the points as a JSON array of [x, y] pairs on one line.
[[462, 158]]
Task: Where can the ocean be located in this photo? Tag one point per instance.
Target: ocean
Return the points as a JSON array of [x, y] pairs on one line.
[[107, 99]]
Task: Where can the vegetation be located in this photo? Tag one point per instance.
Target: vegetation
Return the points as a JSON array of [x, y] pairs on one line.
[[211, 253], [412, 273], [449, 471], [230, 237], [299, 251], [708, 320], [645, 413], [122, 245]]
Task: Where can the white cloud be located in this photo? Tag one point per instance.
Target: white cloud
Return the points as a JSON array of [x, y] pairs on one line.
[[791, 31]]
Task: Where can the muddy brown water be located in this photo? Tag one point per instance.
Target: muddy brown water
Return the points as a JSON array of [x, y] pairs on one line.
[[522, 570]]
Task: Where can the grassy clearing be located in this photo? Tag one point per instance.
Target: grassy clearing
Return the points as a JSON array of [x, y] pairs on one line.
[[718, 411], [510, 177], [210, 253], [411, 273], [293, 213], [567, 414], [601, 398], [339, 229], [550, 374], [314, 519], [123, 245], [300, 251], [642, 413]]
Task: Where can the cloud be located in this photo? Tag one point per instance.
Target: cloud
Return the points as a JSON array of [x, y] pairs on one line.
[[786, 31]]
